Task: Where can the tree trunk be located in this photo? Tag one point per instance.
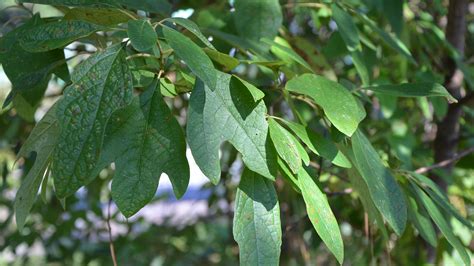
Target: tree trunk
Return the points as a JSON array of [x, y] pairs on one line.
[[447, 135]]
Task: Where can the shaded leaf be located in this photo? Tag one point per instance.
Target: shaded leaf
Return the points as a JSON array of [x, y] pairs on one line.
[[347, 28], [40, 143], [384, 190], [391, 40], [49, 36], [142, 35], [257, 226], [257, 19], [413, 90], [319, 145], [228, 114], [144, 140], [441, 222], [101, 85], [420, 219], [99, 16]]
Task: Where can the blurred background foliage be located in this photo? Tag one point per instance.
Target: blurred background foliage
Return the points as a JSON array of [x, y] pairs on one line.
[[403, 131]]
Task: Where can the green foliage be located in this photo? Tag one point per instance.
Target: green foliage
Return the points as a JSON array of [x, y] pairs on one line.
[[241, 82], [257, 227]]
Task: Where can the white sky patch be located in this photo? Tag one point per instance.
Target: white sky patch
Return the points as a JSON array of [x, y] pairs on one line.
[[183, 13]]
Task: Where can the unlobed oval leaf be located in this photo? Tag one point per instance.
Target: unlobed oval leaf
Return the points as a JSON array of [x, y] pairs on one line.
[[320, 215], [285, 145], [54, 35], [413, 90], [340, 107], [257, 19], [193, 28], [441, 222], [347, 27], [193, 56], [257, 226], [142, 35], [384, 190], [319, 145]]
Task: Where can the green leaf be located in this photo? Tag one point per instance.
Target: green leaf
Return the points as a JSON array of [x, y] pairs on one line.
[[287, 52], [228, 114], [155, 6], [288, 175], [28, 72], [384, 190], [285, 145], [193, 28], [329, 95], [49, 36], [361, 66], [142, 35], [257, 19], [441, 222], [237, 83], [193, 56], [347, 28], [41, 143], [393, 11], [144, 140], [413, 90], [440, 198], [391, 40], [98, 16], [257, 226], [319, 145], [225, 60], [320, 215], [101, 85], [361, 188], [420, 219]]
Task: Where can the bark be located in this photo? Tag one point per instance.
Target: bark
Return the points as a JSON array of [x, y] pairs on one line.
[[447, 135]]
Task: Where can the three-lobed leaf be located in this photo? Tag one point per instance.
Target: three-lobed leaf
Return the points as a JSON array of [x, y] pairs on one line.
[[101, 85], [228, 114], [40, 143], [257, 226], [144, 140]]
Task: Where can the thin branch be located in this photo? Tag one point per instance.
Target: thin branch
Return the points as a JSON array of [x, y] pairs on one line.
[[111, 242], [445, 163]]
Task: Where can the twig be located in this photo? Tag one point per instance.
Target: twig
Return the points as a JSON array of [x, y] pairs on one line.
[[111, 242], [445, 163], [346, 191]]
